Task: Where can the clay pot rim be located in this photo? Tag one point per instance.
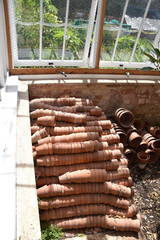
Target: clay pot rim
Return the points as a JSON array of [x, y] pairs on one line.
[[154, 143], [140, 159], [130, 118]]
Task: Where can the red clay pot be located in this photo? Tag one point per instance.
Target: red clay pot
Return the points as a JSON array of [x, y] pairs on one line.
[[130, 154], [71, 189], [148, 138], [46, 121], [105, 124], [96, 111], [155, 131], [39, 135], [155, 145], [124, 117], [138, 124], [143, 159], [153, 156], [134, 139], [142, 147], [74, 200], [99, 221]]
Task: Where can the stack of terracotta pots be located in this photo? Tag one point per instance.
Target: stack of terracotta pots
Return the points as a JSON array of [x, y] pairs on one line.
[[140, 140], [82, 177]]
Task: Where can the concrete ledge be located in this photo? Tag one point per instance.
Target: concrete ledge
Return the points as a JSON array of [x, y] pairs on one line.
[[28, 225]]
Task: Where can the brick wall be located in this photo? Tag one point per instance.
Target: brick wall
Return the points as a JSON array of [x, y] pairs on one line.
[[142, 99]]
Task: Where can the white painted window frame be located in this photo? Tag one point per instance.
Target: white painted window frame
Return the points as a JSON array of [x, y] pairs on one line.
[[54, 63], [121, 64], [87, 60]]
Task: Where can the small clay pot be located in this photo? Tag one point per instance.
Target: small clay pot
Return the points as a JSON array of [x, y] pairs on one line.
[[142, 147], [153, 156], [138, 124], [130, 154], [143, 159], [134, 139], [156, 146], [155, 131]]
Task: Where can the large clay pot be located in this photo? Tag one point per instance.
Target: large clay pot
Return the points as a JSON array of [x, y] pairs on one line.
[[124, 117]]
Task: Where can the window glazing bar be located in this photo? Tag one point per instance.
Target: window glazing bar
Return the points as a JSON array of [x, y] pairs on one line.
[[157, 39], [97, 37], [13, 32], [120, 28], [65, 28], [140, 29], [90, 29], [40, 29]]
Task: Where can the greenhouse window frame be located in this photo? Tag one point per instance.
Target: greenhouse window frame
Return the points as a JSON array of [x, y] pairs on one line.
[[96, 68]]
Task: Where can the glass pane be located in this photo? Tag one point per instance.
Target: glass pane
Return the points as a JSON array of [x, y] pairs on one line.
[[113, 15], [54, 24], [79, 11], [149, 32], [131, 25], [27, 14], [53, 28]]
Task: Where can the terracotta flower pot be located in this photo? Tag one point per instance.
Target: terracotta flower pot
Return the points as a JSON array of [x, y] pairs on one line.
[[138, 124], [47, 121], [156, 146], [74, 137], [128, 182], [143, 159], [96, 111], [71, 189], [67, 101], [105, 124], [134, 139], [95, 118], [39, 135], [124, 117], [101, 166], [116, 146], [108, 131], [147, 137], [80, 199], [153, 156], [130, 154], [142, 147], [99, 221], [155, 131], [120, 132], [91, 209], [110, 139], [40, 113], [34, 129], [57, 131]]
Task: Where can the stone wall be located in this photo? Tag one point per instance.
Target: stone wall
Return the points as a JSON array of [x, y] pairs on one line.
[[142, 99]]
